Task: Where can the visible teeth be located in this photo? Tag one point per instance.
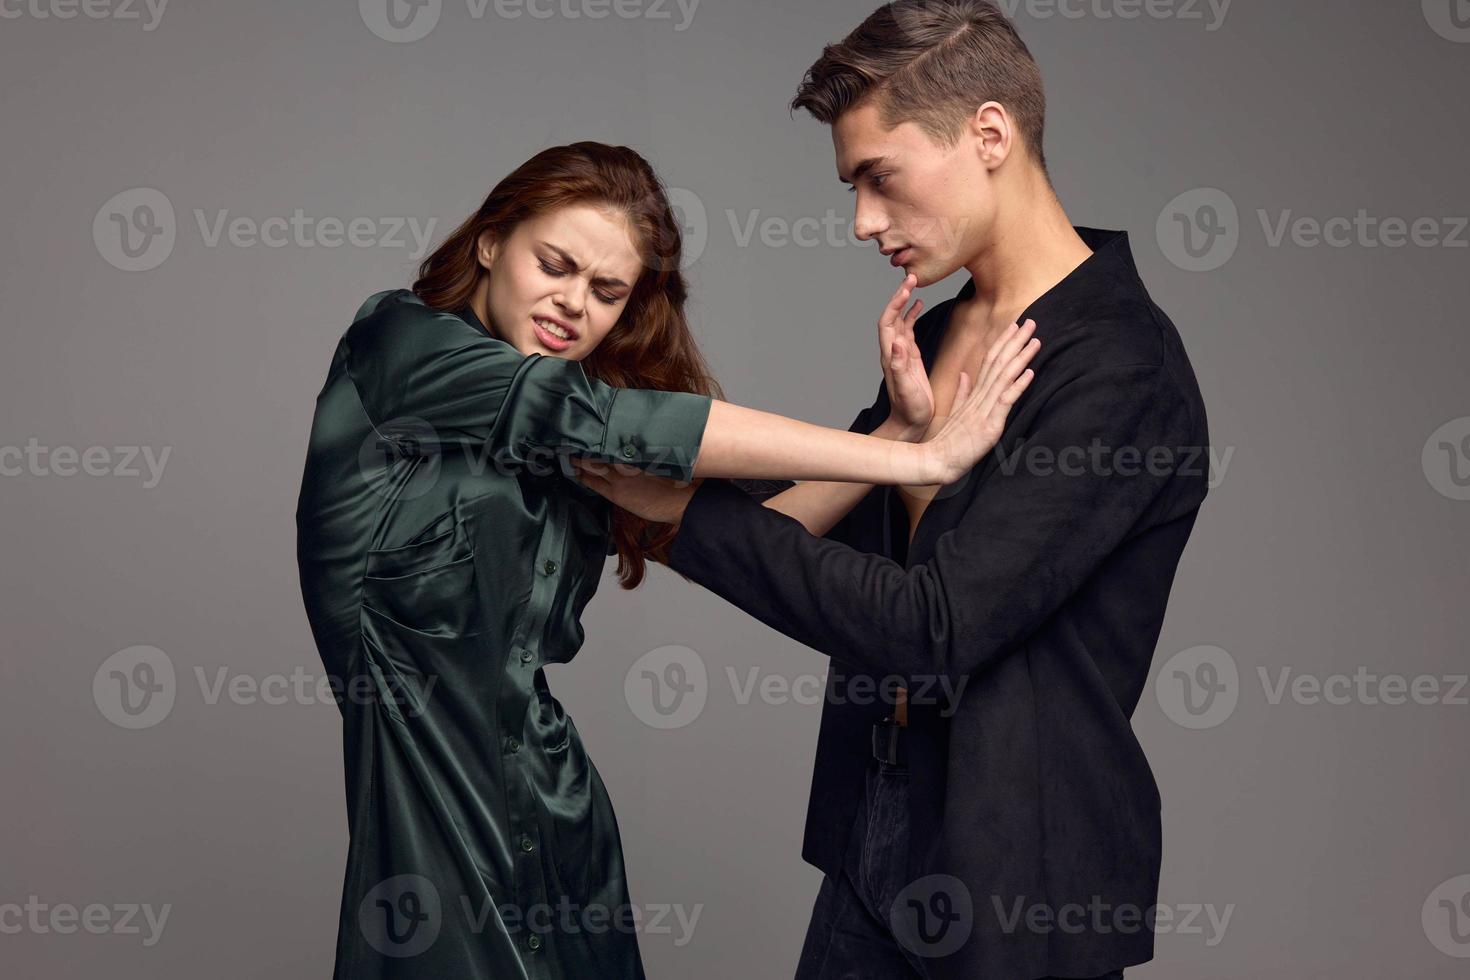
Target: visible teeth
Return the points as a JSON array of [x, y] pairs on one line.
[[554, 329]]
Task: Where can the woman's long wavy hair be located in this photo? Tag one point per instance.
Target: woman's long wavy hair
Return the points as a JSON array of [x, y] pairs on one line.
[[651, 345]]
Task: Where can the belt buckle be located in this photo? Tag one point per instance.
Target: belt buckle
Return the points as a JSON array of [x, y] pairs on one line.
[[885, 737]]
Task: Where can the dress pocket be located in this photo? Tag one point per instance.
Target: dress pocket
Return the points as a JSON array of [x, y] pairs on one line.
[[428, 586]]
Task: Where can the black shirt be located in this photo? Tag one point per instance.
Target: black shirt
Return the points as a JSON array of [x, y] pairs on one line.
[[1034, 592]]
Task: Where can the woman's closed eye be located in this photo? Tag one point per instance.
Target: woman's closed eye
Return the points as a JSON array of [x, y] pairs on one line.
[[557, 273]]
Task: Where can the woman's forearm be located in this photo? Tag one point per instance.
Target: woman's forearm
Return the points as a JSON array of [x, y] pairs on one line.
[[741, 442], [819, 505]]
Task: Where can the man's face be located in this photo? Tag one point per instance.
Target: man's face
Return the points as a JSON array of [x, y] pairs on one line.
[[927, 205]]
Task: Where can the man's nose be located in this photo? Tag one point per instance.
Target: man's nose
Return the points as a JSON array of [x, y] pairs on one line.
[[868, 223]]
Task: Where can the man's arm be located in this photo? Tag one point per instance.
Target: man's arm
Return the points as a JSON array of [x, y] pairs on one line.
[[1031, 536]]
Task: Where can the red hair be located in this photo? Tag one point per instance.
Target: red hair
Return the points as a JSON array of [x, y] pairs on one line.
[[651, 345]]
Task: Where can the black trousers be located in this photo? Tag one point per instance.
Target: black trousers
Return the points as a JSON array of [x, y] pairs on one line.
[[853, 933]]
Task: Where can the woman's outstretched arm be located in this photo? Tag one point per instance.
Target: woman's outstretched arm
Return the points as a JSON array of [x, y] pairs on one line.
[[820, 504]]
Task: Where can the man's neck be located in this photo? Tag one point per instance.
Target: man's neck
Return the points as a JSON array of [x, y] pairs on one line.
[[1033, 247]]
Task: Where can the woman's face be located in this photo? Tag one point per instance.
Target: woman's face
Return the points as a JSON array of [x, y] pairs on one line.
[[559, 283]]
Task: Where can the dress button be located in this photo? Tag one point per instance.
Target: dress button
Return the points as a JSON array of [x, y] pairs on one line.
[[628, 452], [527, 844], [550, 567], [515, 745], [526, 656], [534, 943]]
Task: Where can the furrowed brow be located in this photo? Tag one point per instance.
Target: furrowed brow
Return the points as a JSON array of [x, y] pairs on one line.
[[566, 257]]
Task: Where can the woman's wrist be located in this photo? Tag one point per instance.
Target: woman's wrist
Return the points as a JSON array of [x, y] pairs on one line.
[[924, 466]]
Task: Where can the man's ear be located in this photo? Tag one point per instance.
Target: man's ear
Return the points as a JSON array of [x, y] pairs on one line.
[[993, 133], [487, 248]]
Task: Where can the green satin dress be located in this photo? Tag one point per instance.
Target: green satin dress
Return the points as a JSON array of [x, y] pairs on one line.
[[445, 557]]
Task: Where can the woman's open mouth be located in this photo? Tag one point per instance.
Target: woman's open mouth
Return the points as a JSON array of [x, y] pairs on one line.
[[552, 334]]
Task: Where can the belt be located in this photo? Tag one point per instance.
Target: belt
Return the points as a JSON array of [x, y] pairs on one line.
[[888, 743]]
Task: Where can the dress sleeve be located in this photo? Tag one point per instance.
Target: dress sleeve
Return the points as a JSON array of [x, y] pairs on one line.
[[432, 369]]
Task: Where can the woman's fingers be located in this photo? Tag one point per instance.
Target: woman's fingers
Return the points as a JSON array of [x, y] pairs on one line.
[[1006, 375], [1005, 347]]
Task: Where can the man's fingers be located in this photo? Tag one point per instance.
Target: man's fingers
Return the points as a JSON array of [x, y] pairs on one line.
[[912, 316]]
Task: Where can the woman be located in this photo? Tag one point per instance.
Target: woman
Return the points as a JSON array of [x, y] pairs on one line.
[[446, 555]]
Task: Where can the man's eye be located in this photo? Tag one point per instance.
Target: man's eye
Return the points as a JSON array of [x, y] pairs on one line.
[[878, 179]]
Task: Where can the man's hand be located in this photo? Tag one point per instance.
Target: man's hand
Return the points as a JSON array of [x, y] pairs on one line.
[[653, 498], [903, 367]]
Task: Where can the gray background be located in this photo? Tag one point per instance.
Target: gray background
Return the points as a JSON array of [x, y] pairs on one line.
[[1334, 543]]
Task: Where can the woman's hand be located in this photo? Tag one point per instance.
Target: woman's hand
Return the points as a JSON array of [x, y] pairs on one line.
[[979, 416], [909, 394]]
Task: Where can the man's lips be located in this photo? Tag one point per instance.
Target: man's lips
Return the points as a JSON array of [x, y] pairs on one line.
[[897, 256]]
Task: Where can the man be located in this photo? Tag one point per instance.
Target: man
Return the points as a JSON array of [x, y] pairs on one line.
[[998, 818]]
